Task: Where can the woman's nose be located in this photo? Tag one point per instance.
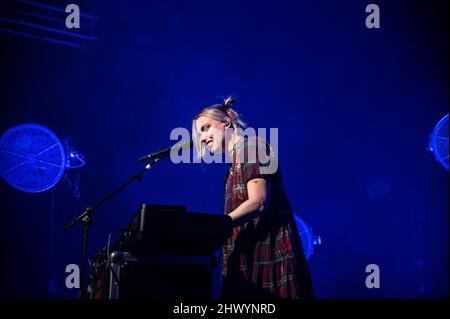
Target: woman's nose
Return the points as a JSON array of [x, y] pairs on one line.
[[203, 138]]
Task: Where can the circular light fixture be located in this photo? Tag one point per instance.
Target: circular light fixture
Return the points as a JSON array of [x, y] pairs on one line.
[[307, 236], [439, 142], [32, 158]]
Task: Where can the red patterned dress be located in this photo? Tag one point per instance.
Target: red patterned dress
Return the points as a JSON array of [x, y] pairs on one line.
[[264, 257]]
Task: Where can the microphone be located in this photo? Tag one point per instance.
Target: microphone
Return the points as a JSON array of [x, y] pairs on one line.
[[166, 152]]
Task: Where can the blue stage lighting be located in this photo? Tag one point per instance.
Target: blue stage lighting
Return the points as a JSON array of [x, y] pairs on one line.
[[32, 158], [307, 236], [439, 142]]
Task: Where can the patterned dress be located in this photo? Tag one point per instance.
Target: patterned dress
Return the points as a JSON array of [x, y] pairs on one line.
[[264, 257]]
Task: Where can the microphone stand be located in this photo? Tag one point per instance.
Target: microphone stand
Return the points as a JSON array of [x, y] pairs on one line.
[[85, 219]]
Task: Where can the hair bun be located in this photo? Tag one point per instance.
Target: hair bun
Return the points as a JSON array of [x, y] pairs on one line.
[[229, 102]]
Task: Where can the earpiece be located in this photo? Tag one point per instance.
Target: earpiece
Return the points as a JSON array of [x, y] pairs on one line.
[[227, 123]]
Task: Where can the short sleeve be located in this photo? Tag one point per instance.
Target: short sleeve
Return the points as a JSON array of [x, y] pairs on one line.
[[252, 157]]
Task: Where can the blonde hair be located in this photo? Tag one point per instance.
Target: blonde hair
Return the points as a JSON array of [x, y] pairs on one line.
[[218, 112]]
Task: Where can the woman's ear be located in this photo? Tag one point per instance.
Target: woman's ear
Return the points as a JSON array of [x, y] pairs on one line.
[[227, 122]]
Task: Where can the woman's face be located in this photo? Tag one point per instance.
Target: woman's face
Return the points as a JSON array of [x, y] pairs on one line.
[[212, 133]]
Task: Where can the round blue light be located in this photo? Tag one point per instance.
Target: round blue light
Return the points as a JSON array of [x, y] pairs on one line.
[[439, 142], [307, 237], [32, 158]]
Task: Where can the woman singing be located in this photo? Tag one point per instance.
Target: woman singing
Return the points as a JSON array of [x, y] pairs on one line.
[[264, 257]]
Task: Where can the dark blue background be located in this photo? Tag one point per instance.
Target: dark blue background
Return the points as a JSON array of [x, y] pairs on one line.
[[354, 108]]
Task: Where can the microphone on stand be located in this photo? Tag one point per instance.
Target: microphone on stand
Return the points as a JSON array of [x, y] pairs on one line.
[[166, 152]]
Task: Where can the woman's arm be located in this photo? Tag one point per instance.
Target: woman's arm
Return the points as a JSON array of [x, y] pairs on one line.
[[254, 205]]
